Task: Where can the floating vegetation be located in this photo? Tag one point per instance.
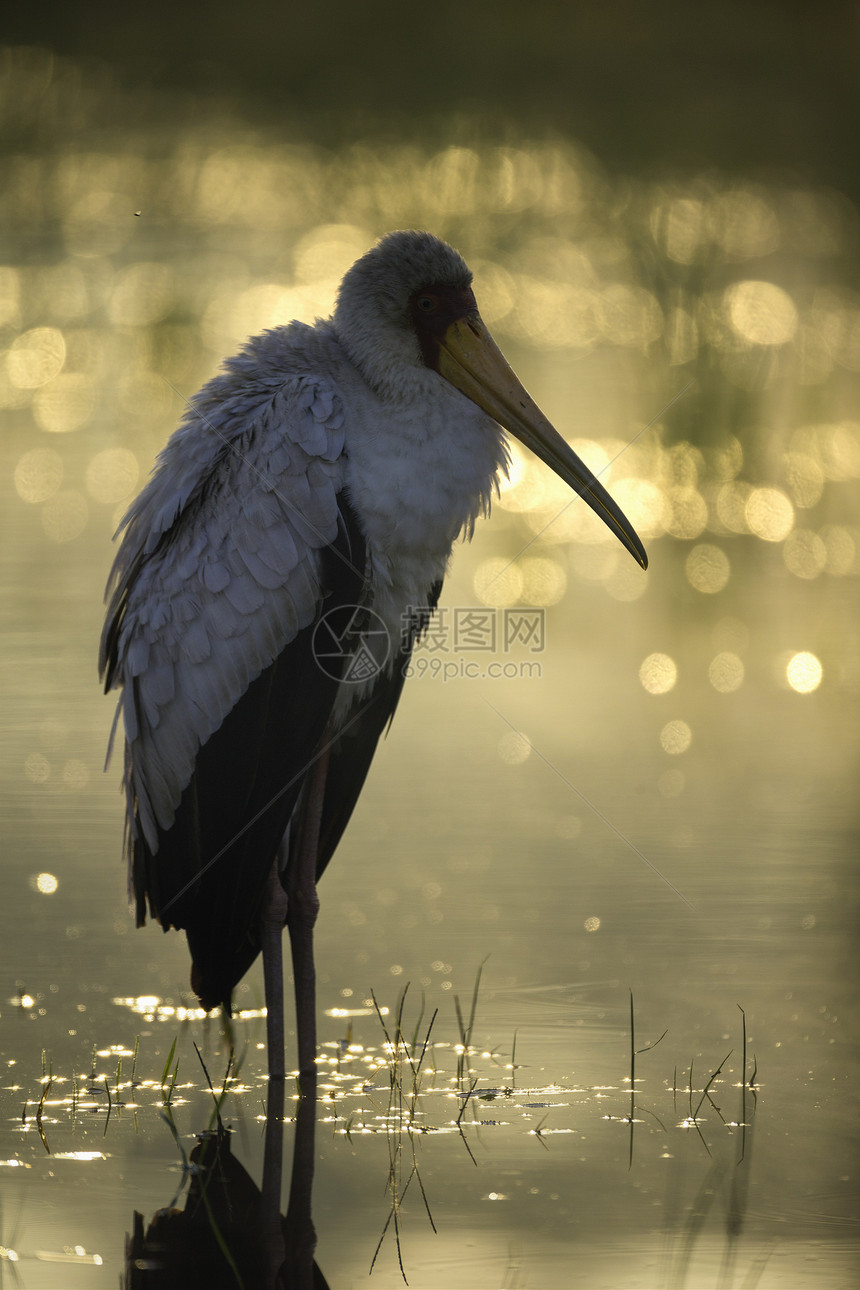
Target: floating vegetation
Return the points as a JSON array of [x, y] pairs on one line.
[[409, 1084]]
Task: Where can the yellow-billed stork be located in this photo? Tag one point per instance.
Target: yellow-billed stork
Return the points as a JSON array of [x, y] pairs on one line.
[[317, 483]]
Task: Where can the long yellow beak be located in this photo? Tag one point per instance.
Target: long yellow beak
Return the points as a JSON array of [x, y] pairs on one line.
[[470, 359]]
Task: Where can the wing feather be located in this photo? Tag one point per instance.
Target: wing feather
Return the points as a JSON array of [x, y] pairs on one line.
[[243, 535], [209, 873], [220, 561]]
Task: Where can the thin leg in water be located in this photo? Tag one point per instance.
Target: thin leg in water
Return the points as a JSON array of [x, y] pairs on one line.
[[274, 917], [302, 909]]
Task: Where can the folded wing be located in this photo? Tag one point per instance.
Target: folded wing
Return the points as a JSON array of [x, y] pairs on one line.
[[242, 537]]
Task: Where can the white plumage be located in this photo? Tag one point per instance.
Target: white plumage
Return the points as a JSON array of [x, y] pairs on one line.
[[325, 466]]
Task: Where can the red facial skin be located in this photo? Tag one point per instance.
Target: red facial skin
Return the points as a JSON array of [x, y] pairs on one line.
[[433, 310]]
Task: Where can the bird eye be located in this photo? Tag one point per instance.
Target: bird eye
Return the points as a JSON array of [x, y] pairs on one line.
[[426, 303]]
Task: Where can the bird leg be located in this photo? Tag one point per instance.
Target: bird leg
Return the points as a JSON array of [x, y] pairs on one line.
[[274, 917], [302, 910]]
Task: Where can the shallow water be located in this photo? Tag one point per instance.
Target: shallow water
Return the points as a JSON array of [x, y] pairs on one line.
[[570, 877], [580, 828]]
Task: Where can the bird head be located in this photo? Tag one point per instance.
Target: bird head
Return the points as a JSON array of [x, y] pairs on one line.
[[407, 306]]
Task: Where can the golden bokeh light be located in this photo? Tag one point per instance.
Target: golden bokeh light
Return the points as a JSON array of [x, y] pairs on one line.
[[36, 357], [64, 403], [682, 465], [561, 516], [513, 476], [628, 316], [840, 450], [841, 548], [498, 582], [11, 396], [111, 325], [232, 318], [804, 672], [142, 295], [495, 290], [658, 673], [744, 224], [45, 883], [37, 768], [707, 568], [814, 357], [76, 774], [836, 317], [675, 737], [769, 514], [327, 251], [451, 180], [679, 227], [239, 184], [644, 504], [688, 512], [804, 479], [761, 312], [726, 672], [544, 581], [112, 475], [732, 501], [596, 454], [727, 458], [38, 475], [805, 554], [552, 315], [528, 486], [555, 259]]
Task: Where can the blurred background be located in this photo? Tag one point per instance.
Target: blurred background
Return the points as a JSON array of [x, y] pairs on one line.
[[659, 205]]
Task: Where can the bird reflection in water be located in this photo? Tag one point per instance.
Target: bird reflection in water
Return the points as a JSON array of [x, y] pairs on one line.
[[223, 1237]]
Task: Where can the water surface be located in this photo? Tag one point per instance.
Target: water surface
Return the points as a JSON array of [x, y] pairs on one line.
[[656, 794]]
